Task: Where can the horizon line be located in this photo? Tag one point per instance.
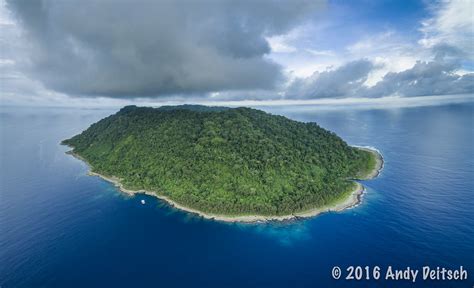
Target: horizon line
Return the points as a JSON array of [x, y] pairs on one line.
[[387, 102]]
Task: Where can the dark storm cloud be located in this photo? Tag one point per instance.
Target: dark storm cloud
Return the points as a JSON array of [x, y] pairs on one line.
[[148, 48]]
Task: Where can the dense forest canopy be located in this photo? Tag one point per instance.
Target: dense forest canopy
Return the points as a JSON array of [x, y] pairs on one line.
[[227, 161]]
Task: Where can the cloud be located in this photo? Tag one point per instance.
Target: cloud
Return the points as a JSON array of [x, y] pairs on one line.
[[278, 44], [152, 48], [315, 52], [452, 24], [436, 77], [425, 78], [344, 81], [389, 50]]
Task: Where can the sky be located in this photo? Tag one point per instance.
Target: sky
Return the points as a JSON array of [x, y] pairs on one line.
[[115, 53]]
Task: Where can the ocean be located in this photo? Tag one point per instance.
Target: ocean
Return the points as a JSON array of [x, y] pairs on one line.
[[62, 228]]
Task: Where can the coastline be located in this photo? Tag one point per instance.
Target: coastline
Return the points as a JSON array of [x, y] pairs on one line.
[[352, 200], [379, 162]]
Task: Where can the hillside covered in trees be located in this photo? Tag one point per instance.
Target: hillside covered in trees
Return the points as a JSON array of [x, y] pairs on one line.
[[238, 161]]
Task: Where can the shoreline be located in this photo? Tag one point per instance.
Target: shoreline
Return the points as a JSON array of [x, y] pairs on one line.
[[379, 162], [354, 198]]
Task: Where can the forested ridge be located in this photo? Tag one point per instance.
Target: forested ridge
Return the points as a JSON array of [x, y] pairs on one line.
[[236, 161]]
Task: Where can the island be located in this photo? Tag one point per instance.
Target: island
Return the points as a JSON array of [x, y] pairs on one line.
[[228, 164]]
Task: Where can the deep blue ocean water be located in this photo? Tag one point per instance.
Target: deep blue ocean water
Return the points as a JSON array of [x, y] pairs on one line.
[[62, 228]]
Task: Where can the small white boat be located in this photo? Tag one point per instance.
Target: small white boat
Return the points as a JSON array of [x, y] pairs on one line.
[[143, 202]]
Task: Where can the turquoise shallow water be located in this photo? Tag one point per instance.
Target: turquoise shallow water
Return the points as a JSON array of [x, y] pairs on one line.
[[62, 228]]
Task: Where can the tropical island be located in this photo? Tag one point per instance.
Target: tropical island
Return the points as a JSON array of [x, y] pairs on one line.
[[230, 164]]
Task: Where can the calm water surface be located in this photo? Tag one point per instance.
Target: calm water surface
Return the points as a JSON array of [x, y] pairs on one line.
[[62, 228]]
